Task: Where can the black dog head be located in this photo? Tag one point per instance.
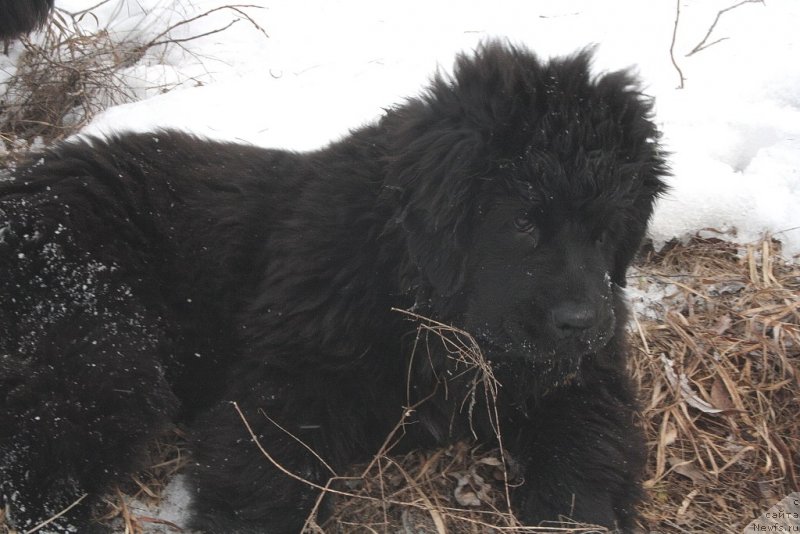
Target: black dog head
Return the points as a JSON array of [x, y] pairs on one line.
[[525, 190]]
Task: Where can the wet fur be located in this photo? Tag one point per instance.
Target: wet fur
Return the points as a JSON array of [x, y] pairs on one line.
[[156, 277]]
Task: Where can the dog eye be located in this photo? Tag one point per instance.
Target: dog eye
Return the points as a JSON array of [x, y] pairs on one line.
[[524, 224]]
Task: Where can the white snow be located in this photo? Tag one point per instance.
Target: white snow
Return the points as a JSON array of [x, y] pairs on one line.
[[331, 65], [173, 509]]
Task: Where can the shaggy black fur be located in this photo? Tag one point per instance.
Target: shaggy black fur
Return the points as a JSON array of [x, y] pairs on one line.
[[159, 276], [22, 16]]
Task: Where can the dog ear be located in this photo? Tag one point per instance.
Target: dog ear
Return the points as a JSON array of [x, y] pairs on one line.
[[438, 253], [645, 169], [651, 187], [627, 250], [432, 170]]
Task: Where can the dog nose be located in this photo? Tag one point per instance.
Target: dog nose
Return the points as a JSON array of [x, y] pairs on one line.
[[572, 318]]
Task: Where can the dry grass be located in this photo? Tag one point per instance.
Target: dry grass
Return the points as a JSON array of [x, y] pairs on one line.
[[63, 80], [166, 457], [69, 74], [458, 489], [719, 378]]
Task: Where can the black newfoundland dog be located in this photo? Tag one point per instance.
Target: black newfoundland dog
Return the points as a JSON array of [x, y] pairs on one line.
[[157, 277]]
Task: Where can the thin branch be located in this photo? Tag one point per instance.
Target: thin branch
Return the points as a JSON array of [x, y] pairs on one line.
[[280, 467], [186, 39], [238, 8], [672, 44], [301, 442], [465, 349], [43, 524], [702, 45], [462, 348], [76, 14]]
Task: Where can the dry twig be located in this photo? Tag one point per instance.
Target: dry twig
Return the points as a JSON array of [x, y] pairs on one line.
[[65, 79], [672, 44], [703, 44]]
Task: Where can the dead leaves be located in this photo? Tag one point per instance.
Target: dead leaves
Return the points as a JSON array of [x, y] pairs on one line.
[[719, 377]]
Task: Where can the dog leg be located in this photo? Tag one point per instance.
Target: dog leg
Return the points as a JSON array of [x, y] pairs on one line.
[[75, 405], [583, 457], [296, 425]]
